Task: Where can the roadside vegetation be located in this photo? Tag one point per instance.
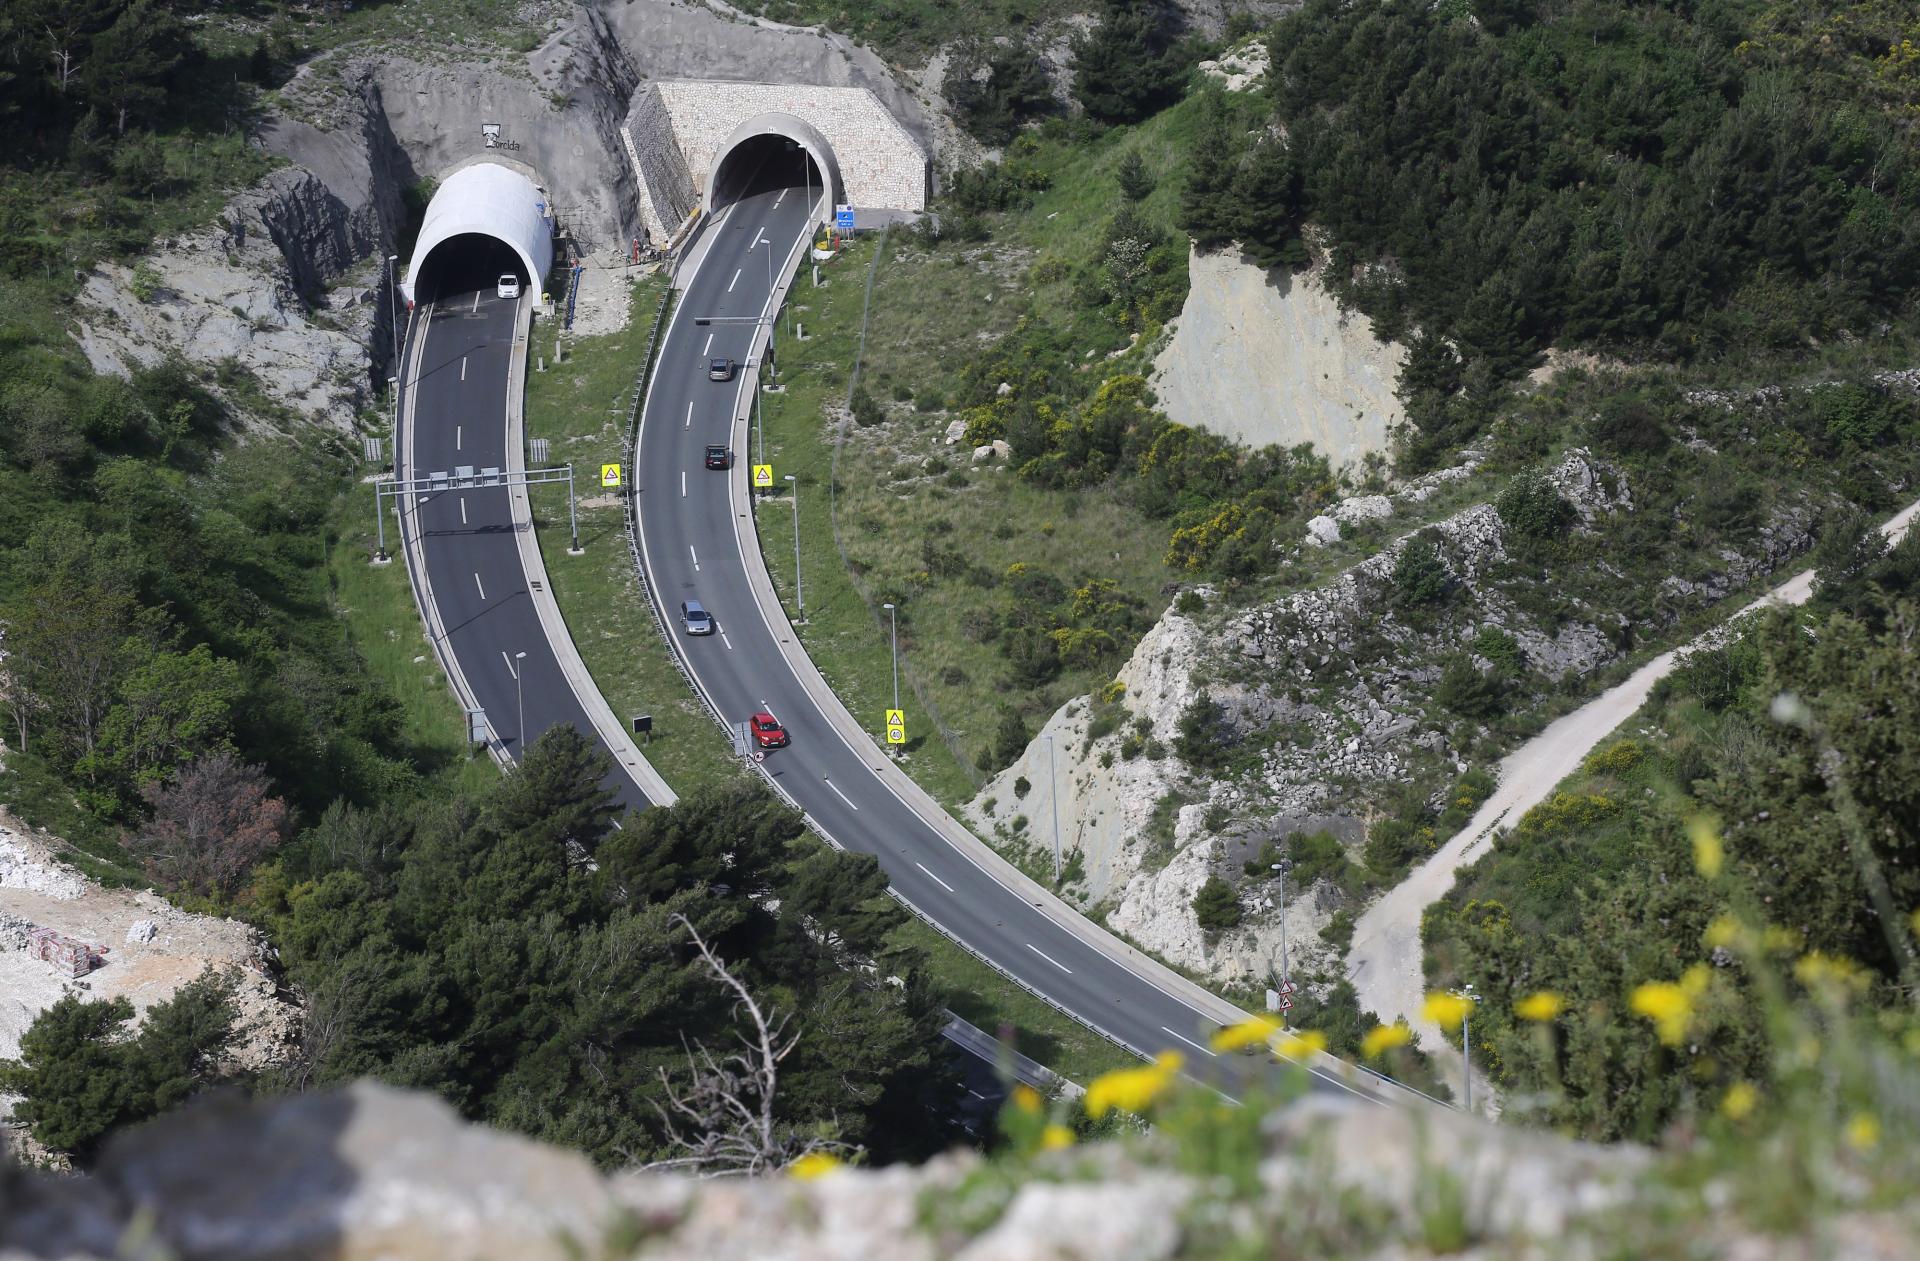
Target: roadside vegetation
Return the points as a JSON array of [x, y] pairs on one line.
[[1749, 834]]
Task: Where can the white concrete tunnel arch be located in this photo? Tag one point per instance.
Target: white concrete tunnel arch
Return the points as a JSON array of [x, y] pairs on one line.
[[776, 123], [490, 200]]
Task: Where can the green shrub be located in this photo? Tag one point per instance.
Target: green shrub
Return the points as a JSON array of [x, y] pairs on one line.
[[1469, 692], [1534, 509], [1216, 905], [1205, 739], [1021, 787], [1420, 576]]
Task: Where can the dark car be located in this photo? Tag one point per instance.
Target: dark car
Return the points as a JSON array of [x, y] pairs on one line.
[[719, 456], [719, 369], [695, 619], [767, 732]]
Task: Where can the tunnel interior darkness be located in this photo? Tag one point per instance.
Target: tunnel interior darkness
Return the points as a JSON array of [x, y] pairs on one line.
[[465, 263], [762, 164]]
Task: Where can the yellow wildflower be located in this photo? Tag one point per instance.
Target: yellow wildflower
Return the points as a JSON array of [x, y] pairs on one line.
[[1446, 1010], [1708, 853], [1027, 1099], [1820, 970], [1863, 1132], [1739, 1101], [1383, 1038], [1055, 1137], [1779, 940], [1250, 1032], [1131, 1089], [813, 1165], [1302, 1045], [1669, 1005], [1542, 1007], [1726, 930]]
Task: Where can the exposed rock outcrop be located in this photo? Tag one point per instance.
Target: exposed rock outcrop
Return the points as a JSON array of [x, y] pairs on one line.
[[1269, 357], [373, 1172]]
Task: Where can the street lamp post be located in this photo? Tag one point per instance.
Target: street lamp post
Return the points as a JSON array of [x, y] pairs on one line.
[[1466, 1041], [893, 629], [1280, 869], [393, 311], [520, 697], [1053, 796], [799, 592], [393, 393]]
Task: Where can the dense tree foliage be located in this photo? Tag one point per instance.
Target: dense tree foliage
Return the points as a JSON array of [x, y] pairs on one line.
[[996, 88], [1124, 70], [80, 1076], [518, 955]]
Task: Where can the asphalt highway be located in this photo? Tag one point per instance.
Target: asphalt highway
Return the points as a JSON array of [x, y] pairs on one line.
[[455, 414], [691, 548]]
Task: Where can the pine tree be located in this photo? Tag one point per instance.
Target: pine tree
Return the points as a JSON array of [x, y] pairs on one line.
[[1136, 181], [1207, 202], [1123, 72]]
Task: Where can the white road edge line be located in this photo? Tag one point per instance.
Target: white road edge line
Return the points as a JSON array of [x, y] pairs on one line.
[[937, 880], [836, 792], [1190, 1042], [1049, 958], [476, 582]]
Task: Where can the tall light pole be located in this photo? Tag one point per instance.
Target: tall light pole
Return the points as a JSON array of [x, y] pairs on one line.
[[1053, 794], [393, 389], [520, 696], [799, 592], [893, 627], [1466, 1040], [1280, 868], [393, 311]]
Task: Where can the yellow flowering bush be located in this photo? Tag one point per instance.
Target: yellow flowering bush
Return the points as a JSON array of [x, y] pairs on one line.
[[1132, 1089], [1540, 1007], [1301, 1045], [814, 1165], [1383, 1038], [1446, 1010], [1670, 1004], [1251, 1032]]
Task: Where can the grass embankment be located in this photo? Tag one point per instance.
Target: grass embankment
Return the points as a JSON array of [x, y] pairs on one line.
[[580, 406]]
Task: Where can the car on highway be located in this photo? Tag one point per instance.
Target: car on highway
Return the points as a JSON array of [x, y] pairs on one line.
[[509, 287], [695, 619], [719, 369], [719, 456], [767, 732]]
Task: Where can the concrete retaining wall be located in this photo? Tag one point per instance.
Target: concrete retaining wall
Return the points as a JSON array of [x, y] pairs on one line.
[[676, 129]]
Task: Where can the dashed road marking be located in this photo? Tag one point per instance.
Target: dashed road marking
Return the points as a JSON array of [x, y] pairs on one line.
[[1190, 1042], [1049, 958], [726, 641], [457, 437], [704, 350], [683, 483], [689, 423], [476, 582], [463, 510], [836, 792], [696, 558], [463, 367], [734, 281], [937, 880]]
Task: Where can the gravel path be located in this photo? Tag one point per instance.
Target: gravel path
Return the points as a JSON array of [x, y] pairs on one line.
[[1384, 961]]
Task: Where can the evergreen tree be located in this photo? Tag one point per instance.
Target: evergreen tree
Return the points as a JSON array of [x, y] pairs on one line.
[[1136, 181], [1216, 905], [1267, 207], [1122, 70], [1207, 203]]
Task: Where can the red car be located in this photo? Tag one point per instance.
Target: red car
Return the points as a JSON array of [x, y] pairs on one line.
[[767, 731]]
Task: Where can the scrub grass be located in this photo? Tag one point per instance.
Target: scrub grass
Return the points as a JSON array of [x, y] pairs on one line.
[[580, 407]]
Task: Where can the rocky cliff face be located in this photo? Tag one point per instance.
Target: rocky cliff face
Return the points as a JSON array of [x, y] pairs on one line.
[[372, 1172], [1328, 696]]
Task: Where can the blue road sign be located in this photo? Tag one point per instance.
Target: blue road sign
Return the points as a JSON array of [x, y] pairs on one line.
[[843, 218]]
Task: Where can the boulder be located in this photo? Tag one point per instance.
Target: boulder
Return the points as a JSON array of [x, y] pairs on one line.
[[1323, 532]]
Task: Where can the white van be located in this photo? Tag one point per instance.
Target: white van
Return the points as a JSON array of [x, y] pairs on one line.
[[509, 286]]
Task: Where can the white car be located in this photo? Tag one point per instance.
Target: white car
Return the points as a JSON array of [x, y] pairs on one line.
[[509, 287]]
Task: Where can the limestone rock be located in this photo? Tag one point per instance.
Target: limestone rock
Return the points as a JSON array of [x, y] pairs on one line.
[[1323, 532], [1362, 508], [956, 430]]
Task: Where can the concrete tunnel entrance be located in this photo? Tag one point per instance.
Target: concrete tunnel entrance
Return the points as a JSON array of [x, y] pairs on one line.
[[774, 151], [484, 222]]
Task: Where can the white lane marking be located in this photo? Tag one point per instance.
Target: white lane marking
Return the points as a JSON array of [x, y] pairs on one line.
[[1049, 958], [509, 660], [777, 200], [726, 641], [705, 349], [937, 880], [696, 558], [476, 301], [463, 367], [768, 709], [683, 483], [756, 237], [463, 510], [689, 423], [457, 438], [734, 281], [836, 792], [1190, 1042], [976, 1094], [476, 582]]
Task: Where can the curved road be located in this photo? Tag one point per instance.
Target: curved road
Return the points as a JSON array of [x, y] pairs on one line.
[[460, 350], [690, 532]]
